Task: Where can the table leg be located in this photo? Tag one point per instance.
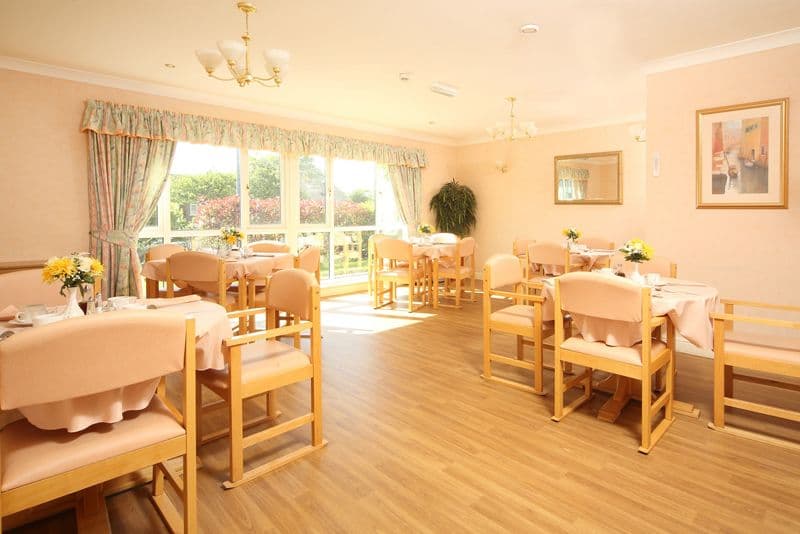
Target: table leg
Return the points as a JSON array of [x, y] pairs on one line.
[[151, 288], [609, 385], [91, 513], [610, 411]]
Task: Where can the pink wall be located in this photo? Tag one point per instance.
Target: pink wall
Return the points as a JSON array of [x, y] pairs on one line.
[[744, 253], [43, 176], [520, 203]]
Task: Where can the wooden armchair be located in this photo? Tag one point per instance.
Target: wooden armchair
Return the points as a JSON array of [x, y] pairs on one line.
[[96, 355], [258, 365], [308, 259], [762, 352], [461, 267], [161, 252], [204, 274], [609, 298], [19, 288], [268, 246], [522, 319], [398, 265], [547, 259], [598, 243]]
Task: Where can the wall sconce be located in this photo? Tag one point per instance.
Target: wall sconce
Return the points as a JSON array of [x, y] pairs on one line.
[[638, 132], [501, 166]]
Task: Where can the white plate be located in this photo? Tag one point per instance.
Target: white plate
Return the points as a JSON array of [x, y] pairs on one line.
[[15, 322]]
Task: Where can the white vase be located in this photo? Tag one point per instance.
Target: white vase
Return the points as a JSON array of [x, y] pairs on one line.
[[636, 276], [72, 309]]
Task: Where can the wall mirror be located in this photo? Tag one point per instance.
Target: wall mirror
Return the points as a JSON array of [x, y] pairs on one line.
[[589, 178]]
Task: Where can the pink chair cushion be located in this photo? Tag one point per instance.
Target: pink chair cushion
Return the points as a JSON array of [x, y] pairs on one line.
[[26, 287], [600, 295], [260, 360], [89, 355], [547, 254], [393, 249], [631, 355], [289, 291], [521, 246], [162, 252], [504, 270], [30, 454], [268, 246], [308, 259], [518, 315]]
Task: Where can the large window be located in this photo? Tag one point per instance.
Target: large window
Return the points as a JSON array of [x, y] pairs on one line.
[[333, 203]]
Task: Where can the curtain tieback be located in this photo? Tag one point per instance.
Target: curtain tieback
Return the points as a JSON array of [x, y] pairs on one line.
[[120, 238]]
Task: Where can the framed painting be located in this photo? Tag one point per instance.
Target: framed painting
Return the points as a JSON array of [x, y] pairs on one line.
[[742, 155]]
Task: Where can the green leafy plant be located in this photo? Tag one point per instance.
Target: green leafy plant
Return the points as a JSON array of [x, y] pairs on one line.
[[455, 208]]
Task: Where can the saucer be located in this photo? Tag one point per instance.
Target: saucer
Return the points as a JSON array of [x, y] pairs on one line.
[[15, 322]]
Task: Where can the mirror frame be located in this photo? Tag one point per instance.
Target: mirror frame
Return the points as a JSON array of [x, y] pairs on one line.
[[617, 153]]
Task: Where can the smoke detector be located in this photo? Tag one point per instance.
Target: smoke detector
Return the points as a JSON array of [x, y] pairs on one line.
[[444, 89], [405, 76]]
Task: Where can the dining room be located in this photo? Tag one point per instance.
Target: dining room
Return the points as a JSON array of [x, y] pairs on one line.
[[354, 287]]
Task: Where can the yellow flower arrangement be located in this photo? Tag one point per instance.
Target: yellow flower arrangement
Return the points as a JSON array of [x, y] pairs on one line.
[[571, 233], [231, 235], [425, 228], [637, 251], [75, 270]]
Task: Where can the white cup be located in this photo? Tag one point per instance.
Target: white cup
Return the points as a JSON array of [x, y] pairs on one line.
[[47, 318], [30, 312], [652, 279]]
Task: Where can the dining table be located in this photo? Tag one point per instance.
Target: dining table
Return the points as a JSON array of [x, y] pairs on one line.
[[434, 252], [687, 305], [211, 328], [257, 264], [584, 258]]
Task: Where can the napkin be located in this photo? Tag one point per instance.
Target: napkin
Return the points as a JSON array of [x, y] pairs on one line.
[[8, 313], [154, 304]]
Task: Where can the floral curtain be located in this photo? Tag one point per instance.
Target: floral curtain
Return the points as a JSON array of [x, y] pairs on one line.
[[131, 121], [126, 176], [407, 186]]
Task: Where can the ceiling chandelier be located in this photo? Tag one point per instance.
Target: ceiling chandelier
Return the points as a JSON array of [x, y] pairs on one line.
[[236, 55], [512, 129]]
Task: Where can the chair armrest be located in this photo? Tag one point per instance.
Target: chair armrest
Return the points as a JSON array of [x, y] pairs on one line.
[[729, 317], [657, 321], [523, 296], [268, 334], [754, 304], [245, 313], [533, 285]]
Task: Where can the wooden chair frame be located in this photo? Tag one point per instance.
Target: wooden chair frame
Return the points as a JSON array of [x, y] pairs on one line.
[[651, 363], [725, 363], [457, 277], [236, 393], [418, 286], [152, 289], [92, 507], [536, 333]]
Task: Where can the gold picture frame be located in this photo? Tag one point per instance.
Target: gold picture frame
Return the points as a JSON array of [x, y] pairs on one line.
[[742, 155], [592, 178]]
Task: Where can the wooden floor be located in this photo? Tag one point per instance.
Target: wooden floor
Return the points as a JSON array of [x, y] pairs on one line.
[[419, 443]]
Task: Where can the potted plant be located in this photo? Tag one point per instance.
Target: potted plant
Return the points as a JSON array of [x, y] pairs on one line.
[[455, 208]]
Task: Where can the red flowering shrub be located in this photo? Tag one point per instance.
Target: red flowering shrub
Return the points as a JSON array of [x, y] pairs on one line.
[[222, 212]]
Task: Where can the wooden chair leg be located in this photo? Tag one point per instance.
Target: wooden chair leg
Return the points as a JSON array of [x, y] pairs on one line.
[[458, 292], [487, 345], [236, 439], [472, 288], [719, 390], [520, 348], [558, 389], [647, 400]]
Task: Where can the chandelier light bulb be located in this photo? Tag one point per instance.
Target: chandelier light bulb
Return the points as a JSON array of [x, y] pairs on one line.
[[209, 58]]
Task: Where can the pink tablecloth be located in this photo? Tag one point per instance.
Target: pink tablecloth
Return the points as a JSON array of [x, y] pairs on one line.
[[234, 268], [586, 258], [688, 305], [211, 327], [434, 251]]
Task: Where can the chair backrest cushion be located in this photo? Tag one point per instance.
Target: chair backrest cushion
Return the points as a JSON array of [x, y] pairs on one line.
[[162, 252], [520, 247], [27, 287], [268, 246], [89, 355], [658, 264], [198, 269], [597, 243], [393, 249], [466, 246], [546, 253], [503, 270], [601, 295], [308, 259], [290, 291]]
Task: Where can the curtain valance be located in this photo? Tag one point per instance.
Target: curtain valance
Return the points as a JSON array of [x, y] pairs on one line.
[[109, 118]]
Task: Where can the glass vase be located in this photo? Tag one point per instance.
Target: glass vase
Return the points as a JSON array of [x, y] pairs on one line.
[[635, 275]]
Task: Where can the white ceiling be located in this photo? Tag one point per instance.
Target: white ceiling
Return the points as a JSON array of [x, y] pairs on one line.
[[584, 66]]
